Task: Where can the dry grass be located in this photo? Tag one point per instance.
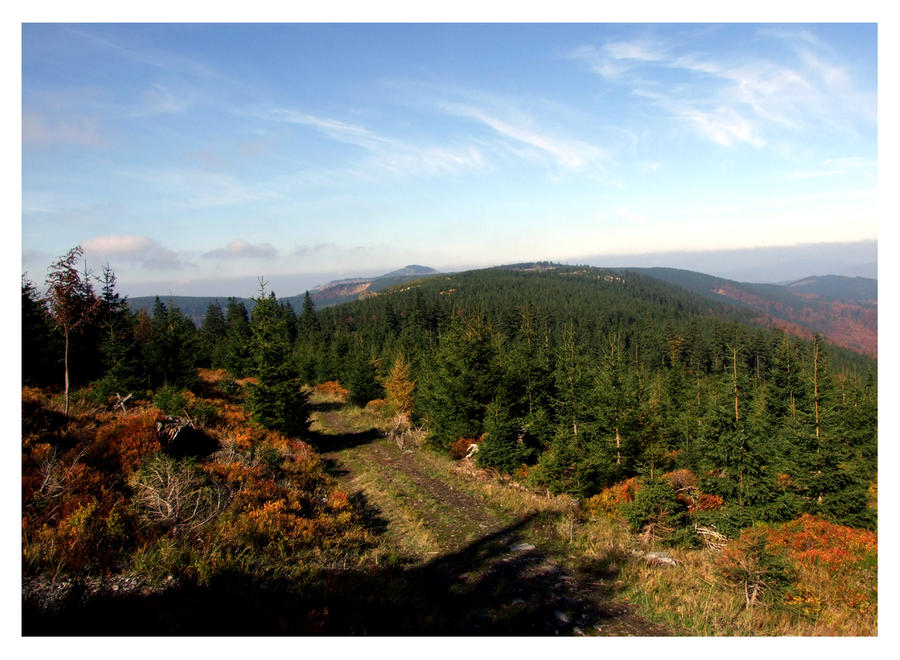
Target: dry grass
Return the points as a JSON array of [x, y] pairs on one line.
[[694, 598], [406, 531]]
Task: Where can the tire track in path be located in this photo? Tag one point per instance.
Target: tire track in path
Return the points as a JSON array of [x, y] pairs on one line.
[[495, 571]]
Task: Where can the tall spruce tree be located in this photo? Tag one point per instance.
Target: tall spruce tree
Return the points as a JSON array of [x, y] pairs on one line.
[[214, 336], [237, 352], [276, 401], [118, 346], [460, 382], [170, 351]]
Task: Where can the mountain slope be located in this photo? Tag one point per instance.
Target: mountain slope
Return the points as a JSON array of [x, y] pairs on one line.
[[339, 291], [324, 295], [837, 287], [842, 309]]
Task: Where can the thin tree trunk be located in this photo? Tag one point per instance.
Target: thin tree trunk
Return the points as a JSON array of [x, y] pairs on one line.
[[66, 362], [737, 414], [816, 389], [816, 401], [618, 446]]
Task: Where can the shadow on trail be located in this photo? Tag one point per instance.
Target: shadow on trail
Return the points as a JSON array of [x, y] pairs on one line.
[[327, 406], [494, 586], [324, 443]]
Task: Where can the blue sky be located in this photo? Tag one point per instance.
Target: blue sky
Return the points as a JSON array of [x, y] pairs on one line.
[[195, 158]]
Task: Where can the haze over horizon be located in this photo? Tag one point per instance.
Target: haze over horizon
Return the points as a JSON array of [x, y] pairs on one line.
[[195, 156]]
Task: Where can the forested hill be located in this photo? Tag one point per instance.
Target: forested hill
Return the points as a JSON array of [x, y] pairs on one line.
[[587, 377], [843, 309], [594, 301]]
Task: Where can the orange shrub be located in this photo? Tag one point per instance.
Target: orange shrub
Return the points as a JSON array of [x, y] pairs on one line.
[[810, 538], [706, 502], [460, 446], [679, 479], [331, 388], [212, 375], [125, 441], [610, 498], [339, 500]]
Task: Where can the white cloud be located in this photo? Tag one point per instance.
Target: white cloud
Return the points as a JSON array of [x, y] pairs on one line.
[[643, 51], [139, 250], [615, 59], [239, 248], [76, 130]]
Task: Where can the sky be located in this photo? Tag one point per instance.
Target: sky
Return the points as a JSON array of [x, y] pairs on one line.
[[196, 158]]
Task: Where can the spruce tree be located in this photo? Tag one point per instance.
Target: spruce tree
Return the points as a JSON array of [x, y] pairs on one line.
[[832, 487], [308, 322], [170, 352], [40, 343], [276, 401], [214, 336], [362, 378], [119, 350], [503, 446], [617, 399], [460, 382], [237, 358]]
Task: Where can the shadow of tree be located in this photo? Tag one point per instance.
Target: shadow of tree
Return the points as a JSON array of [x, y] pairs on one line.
[[194, 443], [325, 443], [327, 406], [493, 586]]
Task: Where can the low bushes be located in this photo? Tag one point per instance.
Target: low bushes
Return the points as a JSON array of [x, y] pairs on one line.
[[100, 494]]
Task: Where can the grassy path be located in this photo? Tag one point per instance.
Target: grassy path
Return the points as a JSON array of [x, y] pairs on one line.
[[491, 560]]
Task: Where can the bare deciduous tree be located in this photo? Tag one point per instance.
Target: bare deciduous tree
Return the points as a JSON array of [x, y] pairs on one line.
[[71, 299]]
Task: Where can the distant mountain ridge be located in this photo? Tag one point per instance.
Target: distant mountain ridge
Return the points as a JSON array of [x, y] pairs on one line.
[[323, 295], [842, 309], [339, 291]]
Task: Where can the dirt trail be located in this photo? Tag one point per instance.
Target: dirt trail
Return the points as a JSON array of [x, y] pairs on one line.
[[493, 571]]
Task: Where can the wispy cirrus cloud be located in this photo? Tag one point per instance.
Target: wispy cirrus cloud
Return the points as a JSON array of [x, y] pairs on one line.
[[569, 154], [833, 167], [738, 99], [195, 189], [242, 249], [616, 58], [133, 249], [333, 128], [520, 128], [386, 155], [160, 99], [164, 60]]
